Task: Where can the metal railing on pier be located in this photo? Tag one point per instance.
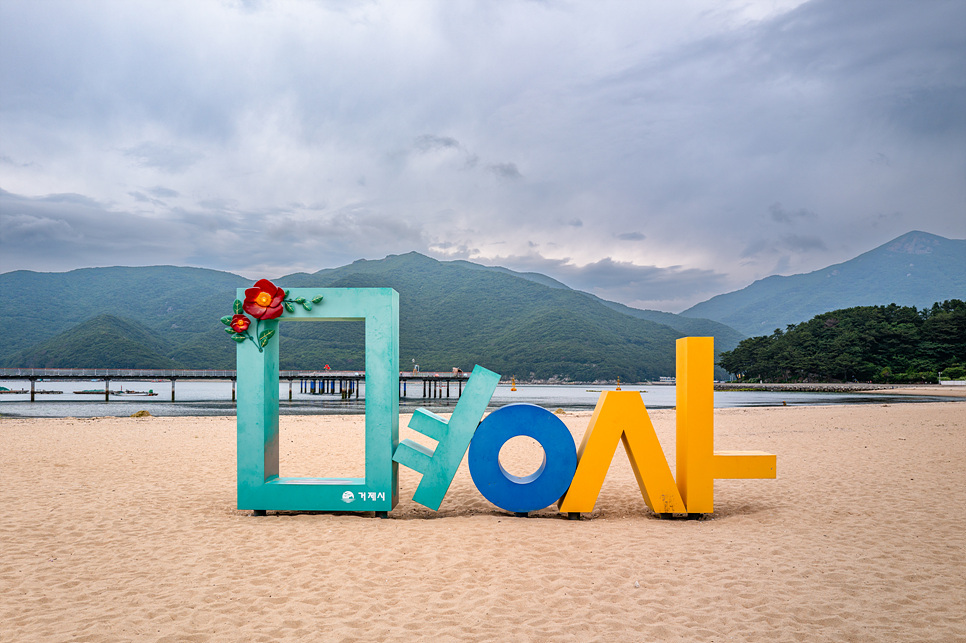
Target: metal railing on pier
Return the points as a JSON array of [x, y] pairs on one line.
[[319, 382]]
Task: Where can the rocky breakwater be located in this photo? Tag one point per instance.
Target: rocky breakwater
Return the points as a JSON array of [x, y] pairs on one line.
[[803, 387]]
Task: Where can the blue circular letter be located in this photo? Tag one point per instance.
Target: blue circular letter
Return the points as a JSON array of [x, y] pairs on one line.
[[539, 489]]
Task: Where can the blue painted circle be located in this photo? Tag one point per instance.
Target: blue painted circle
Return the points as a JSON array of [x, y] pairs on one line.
[[539, 489]]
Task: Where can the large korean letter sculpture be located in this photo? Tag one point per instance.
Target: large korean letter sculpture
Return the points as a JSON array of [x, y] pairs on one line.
[[698, 464], [439, 465], [622, 416], [522, 494], [259, 485]]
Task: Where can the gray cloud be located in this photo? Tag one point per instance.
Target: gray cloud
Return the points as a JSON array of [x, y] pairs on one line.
[[140, 197], [506, 170], [786, 245], [167, 158], [704, 144], [803, 243], [429, 142], [163, 193], [781, 215], [640, 286]]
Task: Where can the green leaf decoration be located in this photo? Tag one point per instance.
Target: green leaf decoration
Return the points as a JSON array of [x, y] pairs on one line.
[[287, 293], [226, 320], [238, 307], [238, 338], [306, 305], [229, 331], [300, 300], [264, 336], [317, 299], [289, 307]]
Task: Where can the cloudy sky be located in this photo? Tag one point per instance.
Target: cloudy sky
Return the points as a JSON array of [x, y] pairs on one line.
[[654, 153]]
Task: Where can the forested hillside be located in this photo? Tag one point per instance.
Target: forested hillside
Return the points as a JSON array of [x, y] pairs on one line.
[[105, 341], [452, 314], [866, 343]]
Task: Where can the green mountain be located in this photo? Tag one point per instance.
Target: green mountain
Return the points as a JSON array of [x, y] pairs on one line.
[[452, 314], [174, 303], [916, 269], [724, 336], [104, 341]]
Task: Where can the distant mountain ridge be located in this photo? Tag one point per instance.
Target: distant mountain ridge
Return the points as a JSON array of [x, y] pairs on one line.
[[915, 269], [452, 314]]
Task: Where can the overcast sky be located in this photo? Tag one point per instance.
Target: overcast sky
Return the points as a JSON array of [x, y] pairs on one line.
[[654, 153]]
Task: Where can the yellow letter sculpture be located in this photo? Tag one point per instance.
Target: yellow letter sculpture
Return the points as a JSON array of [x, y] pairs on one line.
[[698, 465], [621, 415]]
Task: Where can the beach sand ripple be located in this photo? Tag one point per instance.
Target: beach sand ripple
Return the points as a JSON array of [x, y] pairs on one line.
[[125, 529]]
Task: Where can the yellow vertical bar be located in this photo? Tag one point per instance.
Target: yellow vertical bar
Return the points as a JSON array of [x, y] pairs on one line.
[[695, 422], [698, 465]]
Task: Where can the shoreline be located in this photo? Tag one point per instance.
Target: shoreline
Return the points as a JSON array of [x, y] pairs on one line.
[[924, 390]]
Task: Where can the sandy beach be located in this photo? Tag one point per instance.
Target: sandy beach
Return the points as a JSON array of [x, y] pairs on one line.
[[119, 529]]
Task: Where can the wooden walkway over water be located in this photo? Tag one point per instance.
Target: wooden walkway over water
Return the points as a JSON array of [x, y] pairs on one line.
[[343, 383]]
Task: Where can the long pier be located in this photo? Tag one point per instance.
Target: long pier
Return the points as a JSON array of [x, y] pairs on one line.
[[344, 383]]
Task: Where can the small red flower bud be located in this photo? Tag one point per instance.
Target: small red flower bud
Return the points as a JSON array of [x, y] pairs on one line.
[[240, 323]]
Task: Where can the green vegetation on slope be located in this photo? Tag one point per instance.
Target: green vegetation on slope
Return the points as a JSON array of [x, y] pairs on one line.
[[174, 303], [868, 343], [452, 314], [105, 341]]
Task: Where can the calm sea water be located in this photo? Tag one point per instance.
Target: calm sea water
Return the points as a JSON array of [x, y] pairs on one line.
[[214, 398]]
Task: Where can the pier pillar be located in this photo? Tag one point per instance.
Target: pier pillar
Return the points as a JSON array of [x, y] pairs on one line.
[[404, 389], [32, 396], [460, 392], [233, 390], [172, 389], [290, 390], [447, 388], [424, 389], [107, 390]]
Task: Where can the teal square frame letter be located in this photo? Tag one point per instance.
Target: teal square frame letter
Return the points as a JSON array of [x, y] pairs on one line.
[[259, 486]]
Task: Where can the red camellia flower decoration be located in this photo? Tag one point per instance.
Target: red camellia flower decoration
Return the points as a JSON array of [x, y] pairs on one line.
[[264, 300], [240, 323]]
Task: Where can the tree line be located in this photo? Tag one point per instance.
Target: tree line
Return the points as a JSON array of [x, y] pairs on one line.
[[888, 344]]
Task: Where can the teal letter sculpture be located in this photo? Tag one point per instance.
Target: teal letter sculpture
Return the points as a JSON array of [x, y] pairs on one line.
[[453, 438], [259, 485]]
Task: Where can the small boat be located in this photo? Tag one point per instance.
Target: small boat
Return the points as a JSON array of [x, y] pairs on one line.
[[91, 391], [142, 393]]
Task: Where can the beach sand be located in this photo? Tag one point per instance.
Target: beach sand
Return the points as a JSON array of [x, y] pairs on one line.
[[126, 529]]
